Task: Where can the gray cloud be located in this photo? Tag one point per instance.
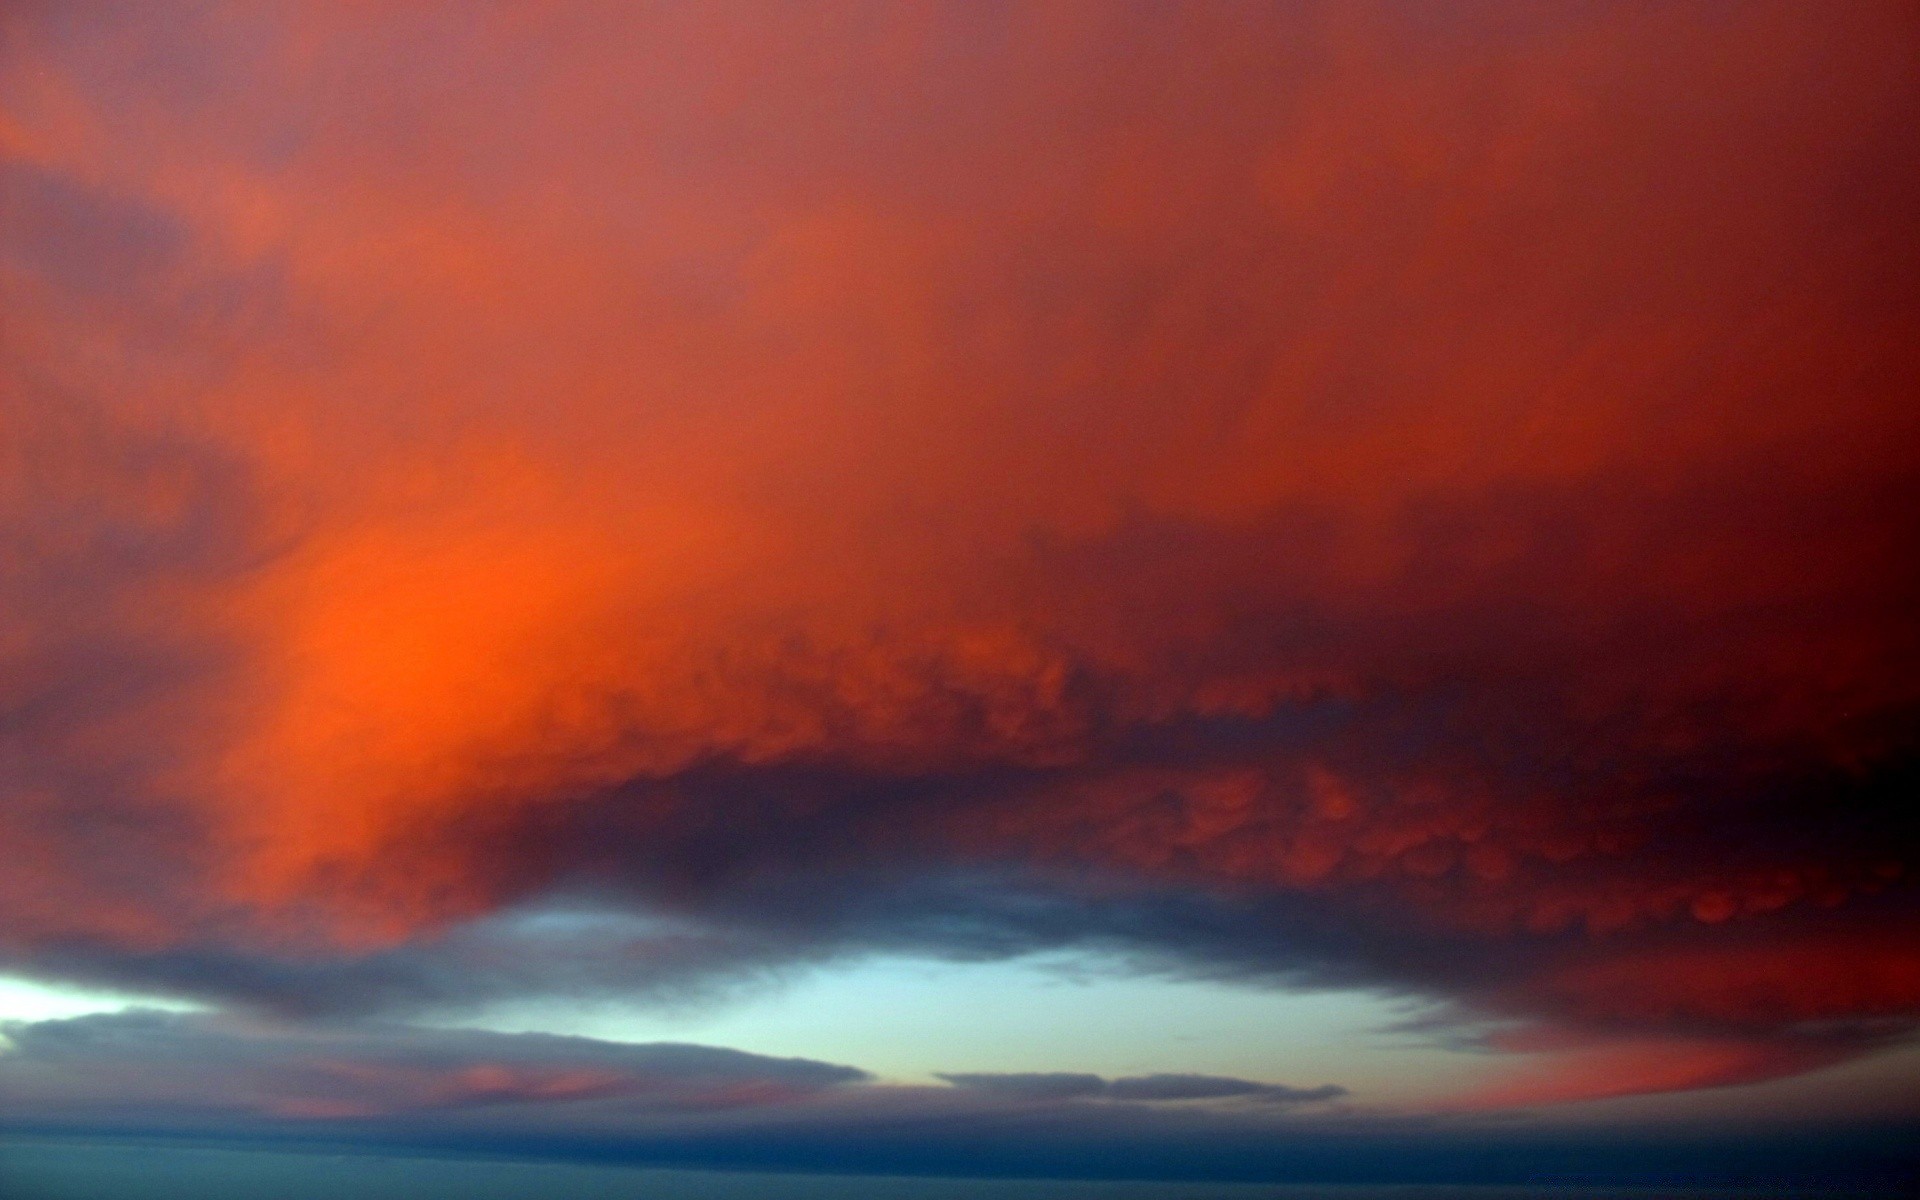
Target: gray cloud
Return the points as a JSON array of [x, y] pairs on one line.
[[1143, 1088], [1218, 1087], [397, 1090], [171, 1064], [1035, 1085]]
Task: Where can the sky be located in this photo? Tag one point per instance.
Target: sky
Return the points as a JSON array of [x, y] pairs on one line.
[[1184, 591]]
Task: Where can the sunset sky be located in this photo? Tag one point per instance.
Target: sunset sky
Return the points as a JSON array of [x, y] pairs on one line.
[[1177, 589]]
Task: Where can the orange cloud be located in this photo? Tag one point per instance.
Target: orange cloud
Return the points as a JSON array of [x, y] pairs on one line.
[[1451, 465]]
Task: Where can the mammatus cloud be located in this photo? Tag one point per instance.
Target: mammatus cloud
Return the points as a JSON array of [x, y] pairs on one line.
[[1416, 497]]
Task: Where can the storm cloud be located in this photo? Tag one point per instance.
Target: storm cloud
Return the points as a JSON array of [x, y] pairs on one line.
[[1417, 497]]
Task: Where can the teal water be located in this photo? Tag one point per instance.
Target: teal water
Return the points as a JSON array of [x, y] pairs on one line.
[[74, 1170]]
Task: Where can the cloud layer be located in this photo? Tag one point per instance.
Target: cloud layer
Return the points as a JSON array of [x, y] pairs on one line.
[[1059, 1085], [1415, 496], [399, 1090], [158, 1063]]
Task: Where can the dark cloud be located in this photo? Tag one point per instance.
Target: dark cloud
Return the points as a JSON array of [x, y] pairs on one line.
[[92, 1067], [1217, 1087], [184, 1072], [1146, 1088], [1049, 1085]]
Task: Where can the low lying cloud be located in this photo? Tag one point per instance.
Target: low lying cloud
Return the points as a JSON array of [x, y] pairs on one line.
[[1142, 1088], [170, 1064], [183, 1063], [412, 1089]]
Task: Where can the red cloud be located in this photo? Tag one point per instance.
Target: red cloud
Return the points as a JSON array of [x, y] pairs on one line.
[[1599, 1069], [1450, 470], [1773, 982]]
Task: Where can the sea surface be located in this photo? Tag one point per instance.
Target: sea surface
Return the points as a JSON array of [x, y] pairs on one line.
[[119, 1170]]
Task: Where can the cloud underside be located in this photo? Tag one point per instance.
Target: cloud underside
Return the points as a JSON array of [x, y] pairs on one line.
[[504, 502]]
